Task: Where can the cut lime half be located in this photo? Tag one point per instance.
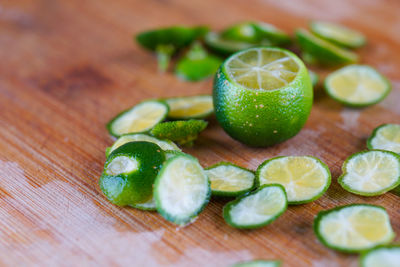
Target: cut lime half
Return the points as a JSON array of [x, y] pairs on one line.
[[181, 189], [371, 173], [338, 34], [304, 178], [190, 107], [382, 256], [228, 179], [357, 86], [256, 209], [258, 263], [354, 228], [385, 137], [140, 118]]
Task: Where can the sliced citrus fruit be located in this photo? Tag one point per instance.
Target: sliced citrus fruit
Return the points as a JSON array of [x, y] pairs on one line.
[[271, 33], [357, 86], [385, 137], [228, 179], [140, 118], [190, 107], [319, 51], [150, 205], [304, 178], [181, 189], [371, 173], [129, 173], [256, 209], [258, 263], [382, 256], [225, 46], [338, 34], [258, 85], [353, 228], [126, 138], [242, 32]]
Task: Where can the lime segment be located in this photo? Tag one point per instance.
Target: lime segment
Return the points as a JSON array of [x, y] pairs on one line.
[[190, 107], [386, 137], [371, 173], [383, 256], [256, 209], [353, 228], [228, 179], [357, 86], [139, 118], [304, 178]]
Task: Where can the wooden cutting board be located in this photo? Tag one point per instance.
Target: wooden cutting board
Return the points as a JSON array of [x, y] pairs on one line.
[[67, 67]]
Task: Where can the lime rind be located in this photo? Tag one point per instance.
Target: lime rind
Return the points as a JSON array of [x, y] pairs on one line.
[[165, 192], [123, 139], [347, 187], [338, 34], [258, 263], [387, 256], [124, 121], [180, 107], [147, 206], [371, 73], [320, 51], [265, 189], [225, 193], [320, 216], [303, 201], [377, 140]]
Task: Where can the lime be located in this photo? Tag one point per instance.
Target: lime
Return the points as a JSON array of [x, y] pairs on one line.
[[228, 179], [197, 64], [319, 51], [126, 138], [258, 263], [262, 85], [182, 132], [181, 189], [269, 32], [224, 46], [129, 173], [371, 173], [382, 256], [140, 118], [304, 178], [338, 34], [150, 205], [357, 86], [242, 32], [353, 228], [190, 107], [256, 209], [385, 137]]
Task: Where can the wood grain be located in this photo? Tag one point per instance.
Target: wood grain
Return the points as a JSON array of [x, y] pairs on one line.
[[67, 67]]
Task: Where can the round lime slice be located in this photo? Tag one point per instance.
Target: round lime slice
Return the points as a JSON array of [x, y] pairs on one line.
[[338, 34], [228, 179], [256, 209], [357, 86], [258, 263], [382, 256], [385, 137], [371, 173], [304, 178], [353, 228], [140, 118], [181, 189], [190, 107]]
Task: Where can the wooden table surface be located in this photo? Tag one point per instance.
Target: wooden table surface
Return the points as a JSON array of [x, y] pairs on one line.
[[67, 67]]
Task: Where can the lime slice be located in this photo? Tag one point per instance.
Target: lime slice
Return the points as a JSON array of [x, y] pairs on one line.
[[382, 256], [314, 77], [126, 138], [256, 209], [258, 85], [129, 173], [225, 46], [242, 32], [371, 173], [271, 33], [150, 205], [140, 118], [182, 132], [385, 137], [227, 179], [357, 86], [190, 107], [304, 178], [353, 228], [318, 51], [258, 263], [172, 153], [181, 189], [338, 34]]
